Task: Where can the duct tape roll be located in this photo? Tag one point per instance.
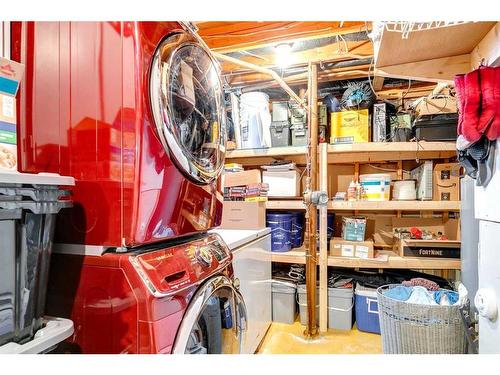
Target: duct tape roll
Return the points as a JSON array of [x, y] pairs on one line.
[[404, 190]]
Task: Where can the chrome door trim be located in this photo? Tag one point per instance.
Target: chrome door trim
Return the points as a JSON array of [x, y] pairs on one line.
[[164, 131], [196, 308]]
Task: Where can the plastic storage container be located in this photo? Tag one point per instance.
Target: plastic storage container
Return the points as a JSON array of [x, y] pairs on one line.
[[302, 300], [255, 120], [283, 301], [340, 308], [340, 305], [28, 208], [297, 228], [281, 231], [280, 134], [330, 220], [376, 187], [366, 308]]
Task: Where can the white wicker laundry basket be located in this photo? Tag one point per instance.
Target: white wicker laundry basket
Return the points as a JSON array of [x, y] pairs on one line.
[[409, 328]]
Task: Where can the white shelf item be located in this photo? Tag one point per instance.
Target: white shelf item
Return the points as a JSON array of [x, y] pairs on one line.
[[54, 331]]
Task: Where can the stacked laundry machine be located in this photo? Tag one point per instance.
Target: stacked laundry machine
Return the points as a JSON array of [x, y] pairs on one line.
[[135, 114]]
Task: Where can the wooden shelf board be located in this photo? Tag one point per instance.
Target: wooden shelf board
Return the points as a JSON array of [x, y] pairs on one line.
[[370, 206], [394, 261], [349, 153]]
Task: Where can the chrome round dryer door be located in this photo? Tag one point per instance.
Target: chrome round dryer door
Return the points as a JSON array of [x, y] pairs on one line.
[[187, 103], [215, 322]]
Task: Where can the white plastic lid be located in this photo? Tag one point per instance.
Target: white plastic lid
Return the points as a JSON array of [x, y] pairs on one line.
[[36, 179]]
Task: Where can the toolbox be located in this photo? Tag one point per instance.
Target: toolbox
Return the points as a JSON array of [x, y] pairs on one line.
[[299, 135], [441, 127], [280, 134]]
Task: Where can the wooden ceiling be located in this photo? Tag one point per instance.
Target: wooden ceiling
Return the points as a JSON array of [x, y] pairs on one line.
[[224, 37], [250, 41]]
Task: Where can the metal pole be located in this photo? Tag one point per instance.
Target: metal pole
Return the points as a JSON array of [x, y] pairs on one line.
[[312, 329]]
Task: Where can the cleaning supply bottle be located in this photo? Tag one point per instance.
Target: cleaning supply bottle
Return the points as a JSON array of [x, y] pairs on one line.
[[351, 192], [359, 191]]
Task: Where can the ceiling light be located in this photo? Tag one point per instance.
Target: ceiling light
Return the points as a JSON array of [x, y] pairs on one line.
[[283, 53]]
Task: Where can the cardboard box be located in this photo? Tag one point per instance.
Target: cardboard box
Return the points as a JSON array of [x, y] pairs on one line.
[[243, 215], [429, 248], [250, 177], [343, 248], [350, 127], [11, 73], [433, 106], [8, 136], [353, 228], [282, 183], [446, 182]]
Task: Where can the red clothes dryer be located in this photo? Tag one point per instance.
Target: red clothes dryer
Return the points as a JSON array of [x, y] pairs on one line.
[[134, 112]]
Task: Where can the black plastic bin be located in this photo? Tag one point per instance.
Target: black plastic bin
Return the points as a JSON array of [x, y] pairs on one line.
[[27, 222]]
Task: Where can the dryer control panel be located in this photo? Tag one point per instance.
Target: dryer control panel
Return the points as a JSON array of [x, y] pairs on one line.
[[169, 270]]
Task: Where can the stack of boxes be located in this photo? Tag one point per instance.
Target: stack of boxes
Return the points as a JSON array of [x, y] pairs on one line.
[[353, 243]]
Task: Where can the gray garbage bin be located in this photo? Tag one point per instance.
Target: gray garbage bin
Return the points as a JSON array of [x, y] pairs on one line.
[[283, 304]]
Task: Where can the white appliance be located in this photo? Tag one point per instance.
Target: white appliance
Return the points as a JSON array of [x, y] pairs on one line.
[[487, 300], [251, 251]]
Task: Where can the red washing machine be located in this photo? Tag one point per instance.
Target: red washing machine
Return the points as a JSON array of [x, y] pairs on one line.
[[134, 112]]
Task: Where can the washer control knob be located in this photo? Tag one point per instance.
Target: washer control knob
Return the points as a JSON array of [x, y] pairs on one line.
[[203, 256], [486, 303]]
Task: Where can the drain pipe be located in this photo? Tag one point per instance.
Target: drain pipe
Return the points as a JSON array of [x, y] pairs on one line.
[[309, 197]]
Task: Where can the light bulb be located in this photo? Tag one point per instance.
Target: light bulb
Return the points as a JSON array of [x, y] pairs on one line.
[[284, 56]]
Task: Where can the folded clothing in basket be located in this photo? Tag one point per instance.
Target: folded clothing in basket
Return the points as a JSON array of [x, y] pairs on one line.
[[420, 295]]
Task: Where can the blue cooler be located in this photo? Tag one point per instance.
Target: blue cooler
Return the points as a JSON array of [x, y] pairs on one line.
[[297, 228], [281, 231], [366, 307]]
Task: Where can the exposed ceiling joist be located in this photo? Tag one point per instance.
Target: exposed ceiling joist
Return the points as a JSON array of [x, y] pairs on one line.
[[225, 37], [327, 53]]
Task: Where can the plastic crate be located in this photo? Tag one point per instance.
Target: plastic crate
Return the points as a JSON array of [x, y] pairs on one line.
[[27, 220]]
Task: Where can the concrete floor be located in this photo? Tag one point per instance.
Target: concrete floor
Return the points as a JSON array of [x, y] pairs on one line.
[[289, 339]]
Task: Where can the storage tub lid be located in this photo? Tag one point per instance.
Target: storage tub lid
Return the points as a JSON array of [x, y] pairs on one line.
[[332, 292], [277, 216], [340, 292], [365, 292], [53, 179], [374, 175], [280, 286]]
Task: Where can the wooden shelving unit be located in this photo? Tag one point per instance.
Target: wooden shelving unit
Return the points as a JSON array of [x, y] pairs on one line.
[[359, 153], [370, 206], [349, 153], [393, 261]]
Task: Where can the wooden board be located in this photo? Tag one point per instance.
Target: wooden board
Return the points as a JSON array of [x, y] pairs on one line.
[[441, 69], [345, 154], [488, 49], [394, 261], [412, 206], [430, 44]]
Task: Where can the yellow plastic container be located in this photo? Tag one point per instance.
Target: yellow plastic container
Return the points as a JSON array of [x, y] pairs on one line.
[[350, 127]]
